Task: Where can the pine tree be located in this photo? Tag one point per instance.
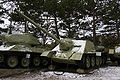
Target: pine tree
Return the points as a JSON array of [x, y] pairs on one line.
[[112, 18], [71, 11]]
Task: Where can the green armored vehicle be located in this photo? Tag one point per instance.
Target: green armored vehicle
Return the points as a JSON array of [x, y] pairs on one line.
[[77, 52], [115, 54], [20, 50], [70, 51]]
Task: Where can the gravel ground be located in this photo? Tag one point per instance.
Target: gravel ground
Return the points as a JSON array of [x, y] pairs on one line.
[[107, 73], [9, 72]]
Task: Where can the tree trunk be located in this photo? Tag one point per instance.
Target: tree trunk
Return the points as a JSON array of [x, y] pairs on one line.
[[94, 29], [10, 28], [56, 28], [26, 27], [69, 32], [117, 23], [118, 34]]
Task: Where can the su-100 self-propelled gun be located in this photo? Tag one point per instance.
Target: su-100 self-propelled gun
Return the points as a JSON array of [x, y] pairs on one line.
[[70, 51]]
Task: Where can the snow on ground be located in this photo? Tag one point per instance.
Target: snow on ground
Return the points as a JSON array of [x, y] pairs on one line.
[[107, 73]]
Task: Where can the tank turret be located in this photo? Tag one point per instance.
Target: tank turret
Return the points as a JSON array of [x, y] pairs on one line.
[[70, 51]]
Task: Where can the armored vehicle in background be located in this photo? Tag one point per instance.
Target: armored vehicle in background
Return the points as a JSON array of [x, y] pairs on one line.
[[114, 54], [20, 50], [70, 51]]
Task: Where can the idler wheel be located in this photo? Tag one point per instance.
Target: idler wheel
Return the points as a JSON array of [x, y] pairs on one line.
[[25, 62], [12, 61], [36, 61]]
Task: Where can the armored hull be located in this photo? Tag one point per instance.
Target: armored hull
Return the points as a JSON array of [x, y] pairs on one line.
[[83, 53]]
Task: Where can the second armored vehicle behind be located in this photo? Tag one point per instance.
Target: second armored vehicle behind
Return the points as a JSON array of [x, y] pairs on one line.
[[20, 50]]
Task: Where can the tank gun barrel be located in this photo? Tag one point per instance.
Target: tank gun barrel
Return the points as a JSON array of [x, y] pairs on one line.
[[39, 27]]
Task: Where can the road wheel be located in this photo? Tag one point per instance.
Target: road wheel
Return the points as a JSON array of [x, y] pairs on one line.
[[12, 61], [45, 62], [100, 60], [92, 61], [87, 62], [97, 61], [1, 58], [103, 60], [25, 62], [51, 67], [36, 61]]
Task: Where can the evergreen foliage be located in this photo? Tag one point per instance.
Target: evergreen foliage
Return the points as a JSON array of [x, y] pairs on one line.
[[70, 15]]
